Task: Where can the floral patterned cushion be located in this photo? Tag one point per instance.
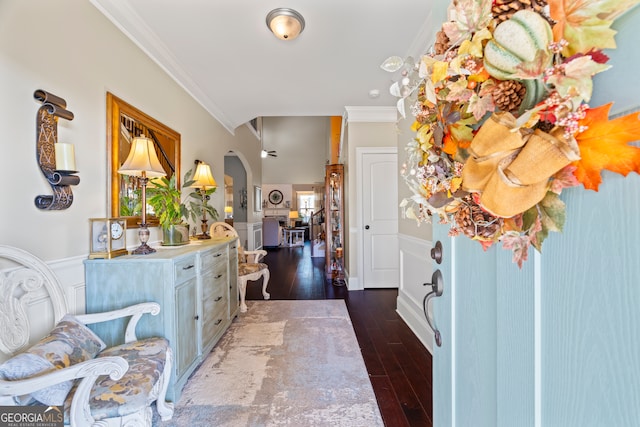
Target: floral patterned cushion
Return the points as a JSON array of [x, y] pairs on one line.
[[248, 268], [111, 398], [68, 343]]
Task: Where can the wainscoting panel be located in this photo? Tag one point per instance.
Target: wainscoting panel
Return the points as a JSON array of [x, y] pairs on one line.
[[70, 274], [257, 235], [250, 234], [415, 270]]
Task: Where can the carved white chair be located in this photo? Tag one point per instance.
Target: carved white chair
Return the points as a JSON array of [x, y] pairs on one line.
[[249, 266], [70, 366]]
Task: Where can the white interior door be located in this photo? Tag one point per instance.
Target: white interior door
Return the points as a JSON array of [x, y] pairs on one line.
[[380, 219]]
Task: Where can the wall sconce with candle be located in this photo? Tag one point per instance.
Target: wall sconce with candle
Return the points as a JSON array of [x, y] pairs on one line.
[[56, 160]]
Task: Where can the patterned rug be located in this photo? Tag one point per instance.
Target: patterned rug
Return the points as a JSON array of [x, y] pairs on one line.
[[293, 363]]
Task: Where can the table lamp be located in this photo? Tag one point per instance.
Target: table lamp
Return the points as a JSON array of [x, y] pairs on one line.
[[203, 180], [143, 163], [293, 215]]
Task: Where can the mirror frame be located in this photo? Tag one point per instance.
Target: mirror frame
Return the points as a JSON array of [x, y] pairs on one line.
[[116, 106]]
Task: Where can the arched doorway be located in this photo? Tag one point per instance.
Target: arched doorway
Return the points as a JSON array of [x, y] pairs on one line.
[[247, 219]]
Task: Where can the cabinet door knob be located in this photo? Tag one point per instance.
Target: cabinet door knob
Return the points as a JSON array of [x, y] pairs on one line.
[[196, 317], [187, 267], [218, 299], [218, 321]]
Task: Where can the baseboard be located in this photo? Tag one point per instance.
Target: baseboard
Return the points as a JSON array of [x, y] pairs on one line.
[[414, 318], [353, 284]]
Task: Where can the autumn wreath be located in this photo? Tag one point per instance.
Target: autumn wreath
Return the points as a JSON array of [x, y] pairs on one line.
[[502, 119]]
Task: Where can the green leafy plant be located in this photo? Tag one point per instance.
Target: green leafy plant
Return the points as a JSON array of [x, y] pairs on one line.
[[166, 200], [131, 206], [196, 206]]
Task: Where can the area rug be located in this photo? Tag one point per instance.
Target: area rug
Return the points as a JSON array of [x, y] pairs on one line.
[[282, 363]]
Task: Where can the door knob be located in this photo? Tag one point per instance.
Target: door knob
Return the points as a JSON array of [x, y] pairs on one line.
[[436, 252], [437, 287], [366, 227]]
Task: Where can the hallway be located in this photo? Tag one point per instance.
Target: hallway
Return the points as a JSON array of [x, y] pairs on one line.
[[398, 364]]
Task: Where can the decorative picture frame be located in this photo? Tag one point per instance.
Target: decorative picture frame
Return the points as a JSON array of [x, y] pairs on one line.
[[257, 198]]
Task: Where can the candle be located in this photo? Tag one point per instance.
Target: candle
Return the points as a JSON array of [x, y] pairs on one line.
[[65, 157]]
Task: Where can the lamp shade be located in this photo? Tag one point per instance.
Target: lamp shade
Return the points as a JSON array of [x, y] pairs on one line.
[[285, 23], [142, 158], [203, 177], [293, 214]]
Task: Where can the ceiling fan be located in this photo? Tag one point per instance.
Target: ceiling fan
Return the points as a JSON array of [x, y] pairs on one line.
[[265, 153]]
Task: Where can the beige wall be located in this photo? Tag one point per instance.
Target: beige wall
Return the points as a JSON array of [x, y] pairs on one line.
[[359, 134], [302, 144], [68, 48]]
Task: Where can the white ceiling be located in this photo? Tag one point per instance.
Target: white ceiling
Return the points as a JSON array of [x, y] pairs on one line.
[[224, 55]]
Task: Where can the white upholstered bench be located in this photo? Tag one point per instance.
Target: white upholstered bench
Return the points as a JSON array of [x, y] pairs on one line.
[[70, 366]]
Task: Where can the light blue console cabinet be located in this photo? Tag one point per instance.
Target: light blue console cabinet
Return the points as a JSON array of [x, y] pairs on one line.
[[195, 285]]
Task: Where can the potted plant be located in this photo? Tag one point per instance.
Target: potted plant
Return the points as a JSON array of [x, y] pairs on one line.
[[166, 200], [173, 215], [197, 207]]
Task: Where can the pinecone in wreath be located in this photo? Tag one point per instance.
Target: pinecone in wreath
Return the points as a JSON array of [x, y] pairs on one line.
[[508, 95], [545, 126], [504, 9], [441, 44], [473, 221]]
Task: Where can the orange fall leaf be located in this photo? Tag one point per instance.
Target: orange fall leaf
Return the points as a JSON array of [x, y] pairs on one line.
[[450, 145], [605, 145]]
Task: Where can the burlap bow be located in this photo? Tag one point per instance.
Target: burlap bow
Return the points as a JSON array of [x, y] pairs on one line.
[[511, 171]]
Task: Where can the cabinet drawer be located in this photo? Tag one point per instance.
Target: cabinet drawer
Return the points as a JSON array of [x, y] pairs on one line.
[[214, 308], [214, 318], [213, 258], [185, 269], [213, 293]]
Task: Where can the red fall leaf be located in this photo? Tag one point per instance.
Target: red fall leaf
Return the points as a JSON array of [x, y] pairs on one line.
[[605, 145]]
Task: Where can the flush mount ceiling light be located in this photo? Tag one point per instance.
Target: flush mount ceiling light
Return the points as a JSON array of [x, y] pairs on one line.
[[285, 23]]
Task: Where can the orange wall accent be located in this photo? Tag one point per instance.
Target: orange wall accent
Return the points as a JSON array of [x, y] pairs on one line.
[[336, 129]]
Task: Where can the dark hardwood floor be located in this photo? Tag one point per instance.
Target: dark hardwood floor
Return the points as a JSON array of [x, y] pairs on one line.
[[398, 364]]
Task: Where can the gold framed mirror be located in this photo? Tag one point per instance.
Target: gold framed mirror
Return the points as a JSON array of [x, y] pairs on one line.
[[125, 122]]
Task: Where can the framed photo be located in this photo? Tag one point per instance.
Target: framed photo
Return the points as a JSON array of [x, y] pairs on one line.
[[257, 198]]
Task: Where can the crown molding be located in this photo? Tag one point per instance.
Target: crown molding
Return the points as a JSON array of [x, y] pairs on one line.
[[126, 19], [371, 114]]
